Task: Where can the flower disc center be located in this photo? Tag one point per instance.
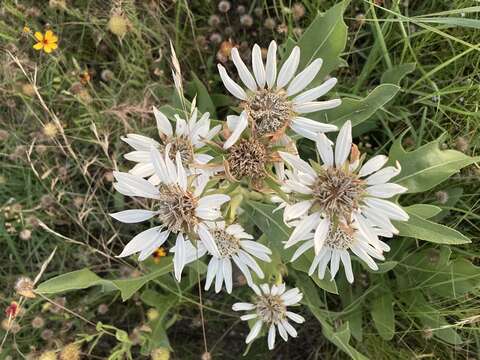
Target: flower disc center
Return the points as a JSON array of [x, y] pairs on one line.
[[182, 145], [247, 158], [338, 193], [271, 308], [176, 208], [270, 111], [227, 244]]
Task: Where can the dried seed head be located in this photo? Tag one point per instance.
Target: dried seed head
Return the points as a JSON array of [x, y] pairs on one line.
[[179, 144], [247, 159], [258, 11], [4, 135], [298, 11], [338, 193], [176, 208], [28, 89], [270, 308], [269, 23], [50, 130], [58, 4], [270, 111], [46, 334], [215, 38], [38, 322], [224, 6], [25, 234], [206, 356], [246, 20], [24, 287], [359, 20], [461, 144], [442, 197], [214, 20], [70, 352], [48, 355], [102, 309], [107, 75], [340, 237], [241, 10], [118, 25]]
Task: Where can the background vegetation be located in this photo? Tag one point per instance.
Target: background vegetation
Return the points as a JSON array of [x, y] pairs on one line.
[[60, 141]]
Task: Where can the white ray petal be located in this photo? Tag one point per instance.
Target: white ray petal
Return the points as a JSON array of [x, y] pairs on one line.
[[235, 89], [385, 191], [321, 233], [289, 68], [133, 216], [257, 65], [297, 163], [372, 165], [296, 210], [243, 306], [302, 249], [393, 211], [334, 263], [324, 148], [305, 77], [347, 265], [243, 72], [303, 229], [227, 274], [271, 337], [211, 271], [138, 156], [384, 175], [219, 277], [163, 125], [343, 145], [316, 92], [181, 173], [314, 126], [237, 132], [271, 66], [254, 332], [144, 240], [179, 257], [314, 106], [207, 239]]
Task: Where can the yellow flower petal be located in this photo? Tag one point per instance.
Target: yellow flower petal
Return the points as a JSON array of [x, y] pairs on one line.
[[54, 39], [38, 46], [47, 48], [48, 34], [38, 36], [53, 46]]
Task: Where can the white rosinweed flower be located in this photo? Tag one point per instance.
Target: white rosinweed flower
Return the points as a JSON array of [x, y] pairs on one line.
[[234, 244], [270, 308], [341, 205], [188, 138], [178, 204], [274, 102]]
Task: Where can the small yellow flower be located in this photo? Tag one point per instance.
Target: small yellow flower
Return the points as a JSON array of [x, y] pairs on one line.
[[158, 254], [26, 30], [47, 42]]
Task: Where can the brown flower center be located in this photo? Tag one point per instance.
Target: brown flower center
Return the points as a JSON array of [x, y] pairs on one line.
[[227, 244], [269, 111], [338, 193], [181, 145], [271, 308], [339, 237], [176, 208], [247, 158]]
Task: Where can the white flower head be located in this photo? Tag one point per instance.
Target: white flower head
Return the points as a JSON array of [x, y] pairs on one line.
[[187, 139], [178, 205], [274, 102], [234, 244], [270, 308], [341, 205]]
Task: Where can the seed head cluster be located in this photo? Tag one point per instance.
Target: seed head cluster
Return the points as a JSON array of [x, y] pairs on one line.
[[179, 144], [227, 244], [247, 158], [271, 308]]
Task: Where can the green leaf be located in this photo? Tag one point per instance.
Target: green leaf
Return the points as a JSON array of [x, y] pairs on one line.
[[303, 264], [383, 314], [75, 280], [128, 287], [85, 278], [357, 111], [422, 229], [427, 166], [433, 271], [325, 38], [424, 211], [395, 74], [204, 101]]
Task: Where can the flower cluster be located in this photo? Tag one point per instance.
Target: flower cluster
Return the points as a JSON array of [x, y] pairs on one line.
[[336, 208]]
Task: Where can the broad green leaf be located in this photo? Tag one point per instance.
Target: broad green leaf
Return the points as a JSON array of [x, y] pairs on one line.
[[383, 314], [424, 211], [85, 278], [357, 111], [75, 280], [204, 101], [395, 74], [427, 166], [422, 229], [325, 38], [128, 287], [451, 21]]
